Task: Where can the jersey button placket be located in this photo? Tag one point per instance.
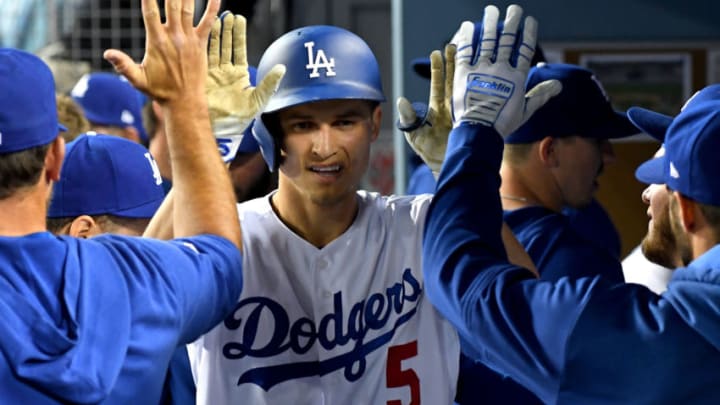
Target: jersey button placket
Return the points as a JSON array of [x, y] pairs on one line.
[[322, 265]]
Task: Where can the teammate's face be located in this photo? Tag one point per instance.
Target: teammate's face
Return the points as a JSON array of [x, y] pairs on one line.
[[580, 162], [659, 245], [326, 149]]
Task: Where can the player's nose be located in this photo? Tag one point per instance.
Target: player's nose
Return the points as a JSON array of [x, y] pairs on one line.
[[322, 142], [646, 194]]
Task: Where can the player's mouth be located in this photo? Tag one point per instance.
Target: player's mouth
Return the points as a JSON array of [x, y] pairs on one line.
[[326, 171]]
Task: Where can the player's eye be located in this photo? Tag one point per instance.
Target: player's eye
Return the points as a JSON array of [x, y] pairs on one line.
[[301, 126], [345, 123]]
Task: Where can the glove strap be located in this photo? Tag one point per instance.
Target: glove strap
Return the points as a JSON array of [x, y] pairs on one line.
[[421, 114]]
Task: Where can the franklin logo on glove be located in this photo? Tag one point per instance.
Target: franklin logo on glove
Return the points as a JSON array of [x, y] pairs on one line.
[[490, 86]]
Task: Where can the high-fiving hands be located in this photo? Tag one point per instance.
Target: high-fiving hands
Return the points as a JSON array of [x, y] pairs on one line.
[[428, 136], [232, 100], [490, 74], [174, 65], [483, 82]]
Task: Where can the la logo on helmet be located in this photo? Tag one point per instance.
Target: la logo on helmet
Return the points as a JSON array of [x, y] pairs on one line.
[[319, 60]]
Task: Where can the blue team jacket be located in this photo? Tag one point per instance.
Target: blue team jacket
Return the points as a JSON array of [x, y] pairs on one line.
[[557, 249], [572, 341], [97, 321]]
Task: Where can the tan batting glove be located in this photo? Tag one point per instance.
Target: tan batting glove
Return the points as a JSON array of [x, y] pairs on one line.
[[428, 136], [233, 102]]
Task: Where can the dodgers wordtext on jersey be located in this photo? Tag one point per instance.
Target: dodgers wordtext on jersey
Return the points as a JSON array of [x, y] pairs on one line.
[[334, 329]]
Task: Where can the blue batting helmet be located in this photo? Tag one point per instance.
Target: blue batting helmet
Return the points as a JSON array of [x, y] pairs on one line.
[[323, 63]]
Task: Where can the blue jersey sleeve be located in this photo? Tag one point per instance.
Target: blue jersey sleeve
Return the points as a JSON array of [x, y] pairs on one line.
[[557, 249], [573, 257], [594, 224], [198, 279], [502, 312]]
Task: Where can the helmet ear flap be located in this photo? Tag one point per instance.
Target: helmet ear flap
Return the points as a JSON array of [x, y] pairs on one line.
[[269, 148], [269, 135]]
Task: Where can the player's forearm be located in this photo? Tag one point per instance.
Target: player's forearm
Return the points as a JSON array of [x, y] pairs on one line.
[[465, 216], [462, 242], [467, 189], [204, 198]]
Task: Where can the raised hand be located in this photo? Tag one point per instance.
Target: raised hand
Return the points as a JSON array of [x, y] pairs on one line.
[[489, 82], [174, 64], [428, 137], [232, 100]]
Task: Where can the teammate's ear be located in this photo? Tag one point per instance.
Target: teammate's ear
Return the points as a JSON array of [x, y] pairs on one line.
[[54, 159], [687, 211], [547, 152], [83, 226]]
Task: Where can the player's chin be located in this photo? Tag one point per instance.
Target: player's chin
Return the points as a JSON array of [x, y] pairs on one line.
[[330, 196]]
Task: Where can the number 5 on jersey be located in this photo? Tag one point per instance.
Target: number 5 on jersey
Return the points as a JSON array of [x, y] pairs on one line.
[[397, 377]]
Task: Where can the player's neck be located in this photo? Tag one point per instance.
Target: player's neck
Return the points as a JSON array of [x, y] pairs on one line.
[[24, 212], [319, 224], [526, 186]]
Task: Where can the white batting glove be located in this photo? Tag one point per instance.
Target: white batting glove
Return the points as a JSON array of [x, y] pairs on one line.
[[232, 101], [428, 135], [489, 83]]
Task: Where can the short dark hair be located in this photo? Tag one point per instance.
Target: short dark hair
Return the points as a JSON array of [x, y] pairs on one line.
[[21, 169], [54, 225], [108, 223], [517, 154]]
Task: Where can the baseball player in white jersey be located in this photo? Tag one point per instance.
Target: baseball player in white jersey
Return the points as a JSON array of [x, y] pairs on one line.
[[333, 309], [342, 324]]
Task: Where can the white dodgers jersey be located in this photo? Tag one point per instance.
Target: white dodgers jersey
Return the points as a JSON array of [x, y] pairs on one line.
[[345, 324]]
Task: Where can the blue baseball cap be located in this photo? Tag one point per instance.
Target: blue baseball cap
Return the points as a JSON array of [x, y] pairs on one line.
[[252, 71], [651, 171], [582, 108], [656, 125], [106, 175], [692, 142], [421, 66], [28, 113], [109, 99]]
